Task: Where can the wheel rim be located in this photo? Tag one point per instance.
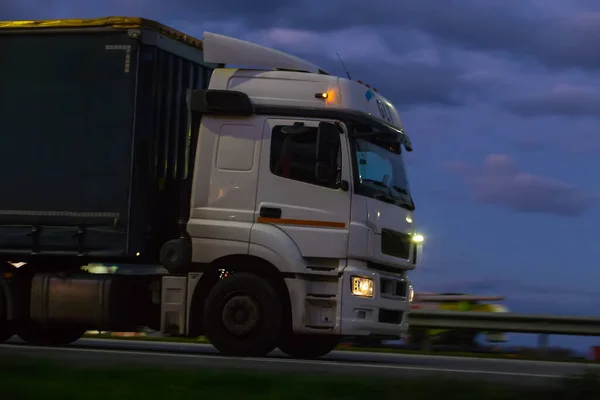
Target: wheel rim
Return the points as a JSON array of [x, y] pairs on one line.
[[241, 314]]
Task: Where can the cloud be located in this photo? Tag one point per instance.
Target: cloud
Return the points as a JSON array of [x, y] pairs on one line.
[[498, 182], [417, 77], [409, 69], [558, 35], [580, 143], [576, 141], [531, 145], [562, 100]]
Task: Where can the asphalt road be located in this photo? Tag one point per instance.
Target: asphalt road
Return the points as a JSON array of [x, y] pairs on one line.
[[102, 351]]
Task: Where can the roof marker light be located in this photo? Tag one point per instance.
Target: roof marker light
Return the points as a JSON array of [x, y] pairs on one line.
[[322, 95]]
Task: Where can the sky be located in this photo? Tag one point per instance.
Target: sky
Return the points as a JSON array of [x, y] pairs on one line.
[[501, 100]]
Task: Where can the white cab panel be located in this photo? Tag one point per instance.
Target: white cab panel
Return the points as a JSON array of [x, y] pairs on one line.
[[316, 218], [382, 215], [369, 217], [224, 190]]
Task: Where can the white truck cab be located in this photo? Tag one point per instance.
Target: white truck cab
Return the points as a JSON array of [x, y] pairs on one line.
[[305, 171]]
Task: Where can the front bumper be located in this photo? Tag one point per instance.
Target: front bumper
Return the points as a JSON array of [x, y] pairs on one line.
[[383, 314]]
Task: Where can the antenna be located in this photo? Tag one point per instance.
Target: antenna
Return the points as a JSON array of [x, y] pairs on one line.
[[343, 66]]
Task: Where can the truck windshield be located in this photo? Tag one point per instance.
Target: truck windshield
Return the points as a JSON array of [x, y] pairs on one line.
[[380, 167]]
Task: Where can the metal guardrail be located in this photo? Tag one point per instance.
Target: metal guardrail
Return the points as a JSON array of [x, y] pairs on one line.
[[506, 322]]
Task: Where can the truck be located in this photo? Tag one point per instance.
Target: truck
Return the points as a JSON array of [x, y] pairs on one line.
[[455, 302], [273, 195]]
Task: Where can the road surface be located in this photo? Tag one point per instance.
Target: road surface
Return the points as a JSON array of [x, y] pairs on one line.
[[103, 351]]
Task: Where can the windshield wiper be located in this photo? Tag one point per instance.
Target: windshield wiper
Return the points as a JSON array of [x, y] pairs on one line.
[[378, 183], [408, 204], [387, 197], [401, 190]]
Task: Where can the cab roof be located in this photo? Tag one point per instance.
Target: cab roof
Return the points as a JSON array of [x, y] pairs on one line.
[[308, 91]]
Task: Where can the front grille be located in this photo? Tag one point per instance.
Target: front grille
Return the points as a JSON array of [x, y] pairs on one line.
[[395, 244], [390, 316], [393, 287]]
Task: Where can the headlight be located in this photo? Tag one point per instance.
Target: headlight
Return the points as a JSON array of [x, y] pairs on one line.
[[363, 287], [417, 238], [411, 293]]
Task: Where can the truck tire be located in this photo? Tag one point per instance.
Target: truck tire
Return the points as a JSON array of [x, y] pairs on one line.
[[5, 333], [308, 346], [6, 329], [38, 335], [243, 316]]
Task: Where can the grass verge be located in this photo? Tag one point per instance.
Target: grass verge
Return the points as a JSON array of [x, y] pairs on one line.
[[29, 379]]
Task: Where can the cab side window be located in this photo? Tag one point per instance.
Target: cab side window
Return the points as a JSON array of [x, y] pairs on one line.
[[294, 153]]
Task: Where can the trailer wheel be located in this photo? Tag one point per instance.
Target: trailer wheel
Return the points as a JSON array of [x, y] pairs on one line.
[[243, 316], [38, 335], [5, 333], [308, 346], [6, 329]]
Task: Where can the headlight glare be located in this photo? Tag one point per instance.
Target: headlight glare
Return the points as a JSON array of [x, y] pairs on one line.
[[363, 287]]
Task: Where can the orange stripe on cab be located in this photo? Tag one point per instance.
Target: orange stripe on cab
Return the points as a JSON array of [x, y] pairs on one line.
[[301, 222]]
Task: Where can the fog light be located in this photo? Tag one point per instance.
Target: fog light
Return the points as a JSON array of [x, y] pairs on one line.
[[362, 287], [411, 293]]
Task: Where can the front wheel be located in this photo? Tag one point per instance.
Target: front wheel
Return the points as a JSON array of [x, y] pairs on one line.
[[308, 346], [243, 316]]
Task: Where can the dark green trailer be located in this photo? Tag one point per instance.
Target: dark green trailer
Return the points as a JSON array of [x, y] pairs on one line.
[[96, 137]]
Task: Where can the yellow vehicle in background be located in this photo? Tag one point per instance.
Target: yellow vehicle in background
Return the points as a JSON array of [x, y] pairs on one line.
[[459, 303]]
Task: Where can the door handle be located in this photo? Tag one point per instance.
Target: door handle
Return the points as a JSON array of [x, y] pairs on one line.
[[270, 212]]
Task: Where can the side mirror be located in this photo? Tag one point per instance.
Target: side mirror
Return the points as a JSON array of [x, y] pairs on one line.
[[325, 172], [328, 146], [328, 143]]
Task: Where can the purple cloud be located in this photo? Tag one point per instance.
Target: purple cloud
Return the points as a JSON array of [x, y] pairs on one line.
[[556, 34], [498, 182], [562, 100], [581, 143], [560, 36], [530, 145]]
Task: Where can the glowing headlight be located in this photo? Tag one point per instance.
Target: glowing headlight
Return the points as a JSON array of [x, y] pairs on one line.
[[411, 293], [418, 238], [362, 287]]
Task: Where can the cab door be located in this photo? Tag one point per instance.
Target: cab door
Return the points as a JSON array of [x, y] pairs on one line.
[[313, 213]]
